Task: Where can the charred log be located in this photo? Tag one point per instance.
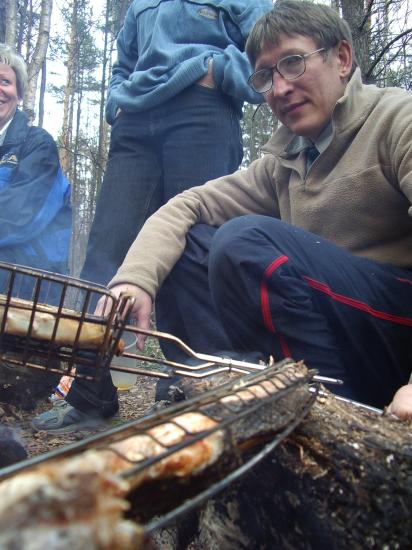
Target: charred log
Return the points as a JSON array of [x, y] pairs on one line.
[[342, 479], [246, 436]]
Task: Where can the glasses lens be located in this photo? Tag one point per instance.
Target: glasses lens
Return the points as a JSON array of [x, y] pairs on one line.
[[261, 81], [291, 66]]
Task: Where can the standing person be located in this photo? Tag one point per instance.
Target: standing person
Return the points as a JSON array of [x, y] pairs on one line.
[[35, 212], [175, 103]]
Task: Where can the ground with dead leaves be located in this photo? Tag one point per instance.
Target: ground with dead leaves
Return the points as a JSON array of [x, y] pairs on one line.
[[133, 404]]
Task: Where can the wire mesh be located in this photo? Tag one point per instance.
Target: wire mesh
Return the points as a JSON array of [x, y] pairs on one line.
[[246, 415], [47, 322], [242, 422]]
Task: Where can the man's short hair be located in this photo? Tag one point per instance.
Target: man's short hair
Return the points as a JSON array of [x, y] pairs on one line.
[[10, 57], [317, 21]]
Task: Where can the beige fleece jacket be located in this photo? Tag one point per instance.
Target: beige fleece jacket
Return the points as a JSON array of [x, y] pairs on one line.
[[357, 193]]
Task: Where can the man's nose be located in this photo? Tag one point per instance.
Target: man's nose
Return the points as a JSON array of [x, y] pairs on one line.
[[280, 86]]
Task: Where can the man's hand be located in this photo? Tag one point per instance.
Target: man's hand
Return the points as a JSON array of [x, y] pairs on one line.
[[401, 405], [140, 312]]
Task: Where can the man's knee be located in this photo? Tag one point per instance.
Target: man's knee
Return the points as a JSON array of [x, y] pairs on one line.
[[243, 234]]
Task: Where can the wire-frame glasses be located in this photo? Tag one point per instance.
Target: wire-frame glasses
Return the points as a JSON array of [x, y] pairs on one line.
[[289, 67]]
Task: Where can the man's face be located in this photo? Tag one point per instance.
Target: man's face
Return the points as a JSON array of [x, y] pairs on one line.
[[9, 98], [305, 104]]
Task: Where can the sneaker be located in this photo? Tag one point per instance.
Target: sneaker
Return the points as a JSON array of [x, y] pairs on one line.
[[62, 418]]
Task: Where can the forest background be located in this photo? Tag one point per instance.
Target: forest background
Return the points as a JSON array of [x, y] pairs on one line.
[[70, 45]]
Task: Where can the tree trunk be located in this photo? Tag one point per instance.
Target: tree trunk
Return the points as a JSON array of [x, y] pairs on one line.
[[42, 93], [103, 131], [342, 479], [67, 128], [3, 22], [10, 32], [23, 26], [358, 18], [119, 9], [78, 196], [39, 55]]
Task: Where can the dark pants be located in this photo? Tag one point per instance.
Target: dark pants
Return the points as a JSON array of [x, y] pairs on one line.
[[153, 156], [258, 283]]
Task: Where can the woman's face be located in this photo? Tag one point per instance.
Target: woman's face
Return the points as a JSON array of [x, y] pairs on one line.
[[9, 98]]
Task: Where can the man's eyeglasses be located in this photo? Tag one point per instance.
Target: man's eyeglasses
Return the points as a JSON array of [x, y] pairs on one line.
[[289, 67]]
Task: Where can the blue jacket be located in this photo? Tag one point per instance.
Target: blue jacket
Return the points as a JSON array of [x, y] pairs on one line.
[[35, 212], [164, 47]]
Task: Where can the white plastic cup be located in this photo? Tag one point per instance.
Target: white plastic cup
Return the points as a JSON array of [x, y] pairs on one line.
[[125, 380]]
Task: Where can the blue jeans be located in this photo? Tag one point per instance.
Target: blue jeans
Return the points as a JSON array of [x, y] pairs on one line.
[[259, 284], [153, 156]]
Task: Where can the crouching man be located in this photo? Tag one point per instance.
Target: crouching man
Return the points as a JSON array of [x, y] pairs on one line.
[[308, 253]]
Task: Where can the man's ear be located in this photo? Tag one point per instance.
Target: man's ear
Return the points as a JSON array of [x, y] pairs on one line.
[[345, 59]]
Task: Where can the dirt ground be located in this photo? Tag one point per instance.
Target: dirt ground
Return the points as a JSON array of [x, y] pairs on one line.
[[133, 404]]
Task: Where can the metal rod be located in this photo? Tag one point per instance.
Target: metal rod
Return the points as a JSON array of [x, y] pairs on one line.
[[358, 404], [327, 380], [232, 365], [143, 372]]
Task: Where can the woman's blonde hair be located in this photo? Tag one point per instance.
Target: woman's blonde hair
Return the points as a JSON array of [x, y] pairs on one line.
[[10, 57]]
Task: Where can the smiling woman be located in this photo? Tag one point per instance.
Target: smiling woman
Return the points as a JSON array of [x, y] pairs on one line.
[[9, 98], [35, 213]]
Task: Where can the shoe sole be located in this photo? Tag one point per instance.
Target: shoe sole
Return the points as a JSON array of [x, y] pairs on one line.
[[87, 425]]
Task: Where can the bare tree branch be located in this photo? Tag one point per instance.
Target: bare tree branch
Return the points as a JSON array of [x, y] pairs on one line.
[[385, 49]]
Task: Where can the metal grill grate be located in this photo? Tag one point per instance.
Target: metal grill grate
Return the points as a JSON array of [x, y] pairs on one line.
[[45, 318], [47, 322], [252, 414]]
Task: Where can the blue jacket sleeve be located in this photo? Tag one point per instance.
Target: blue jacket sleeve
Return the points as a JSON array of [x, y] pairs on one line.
[[124, 66], [159, 55], [33, 191]]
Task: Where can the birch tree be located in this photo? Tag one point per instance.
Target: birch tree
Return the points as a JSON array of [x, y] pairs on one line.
[[65, 138], [26, 28], [10, 22], [36, 62]]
